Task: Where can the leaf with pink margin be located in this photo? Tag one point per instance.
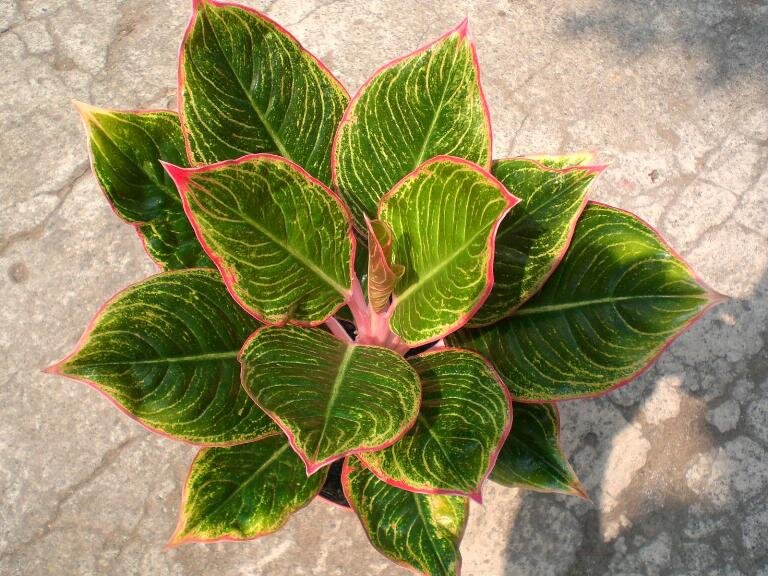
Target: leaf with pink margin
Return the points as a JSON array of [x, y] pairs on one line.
[[428, 103], [419, 531], [126, 150], [243, 492], [247, 86], [443, 216], [620, 296], [465, 417], [531, 456], [165, 352], [331, 398], [280, 238], [532, 240]]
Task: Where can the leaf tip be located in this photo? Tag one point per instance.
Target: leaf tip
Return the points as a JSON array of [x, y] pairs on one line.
[[463, 28], [54, 369], [87, 111], [578, 490], [197, 4]]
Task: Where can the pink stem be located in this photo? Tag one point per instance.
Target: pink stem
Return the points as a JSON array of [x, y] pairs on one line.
[[337, 329], [359, 309], [439, 344]]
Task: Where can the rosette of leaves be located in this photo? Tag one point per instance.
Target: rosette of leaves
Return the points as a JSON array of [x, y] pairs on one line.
[[355, 299]]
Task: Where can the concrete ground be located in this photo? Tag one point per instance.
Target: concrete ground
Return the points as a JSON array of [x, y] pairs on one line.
[[674, 94]]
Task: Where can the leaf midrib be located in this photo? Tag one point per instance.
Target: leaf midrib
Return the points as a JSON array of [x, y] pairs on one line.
[[548, 308], [267, 126], [345, 360], [211, 356], [405, 294]]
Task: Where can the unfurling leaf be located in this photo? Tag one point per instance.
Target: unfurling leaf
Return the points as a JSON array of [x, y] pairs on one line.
[[382, 274], [531, 456], [617, 299], [330, 397], [281, 239], [443, 217], [247, 86], [165, 351], [426, 104], [532, 240], [419, 531], [243, 492], [465, 416], [126, 150]]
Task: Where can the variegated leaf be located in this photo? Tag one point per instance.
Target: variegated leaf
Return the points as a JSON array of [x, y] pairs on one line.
[[617, 299], [126, 149], [243, 492], [382, 275], [282, 240], [443, 217], [247, 86], [532, 457], [464, 418], [330, 397], [426, 104], [419, 531], [533, 239], [165, 351]]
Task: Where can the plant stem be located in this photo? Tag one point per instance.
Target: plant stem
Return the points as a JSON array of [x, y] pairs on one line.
[[359, 309], [337, 329]]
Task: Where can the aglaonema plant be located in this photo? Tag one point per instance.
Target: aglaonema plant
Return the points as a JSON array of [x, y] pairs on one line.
[[355, 298]]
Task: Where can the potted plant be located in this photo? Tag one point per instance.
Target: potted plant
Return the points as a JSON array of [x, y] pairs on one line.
[[355, 299]]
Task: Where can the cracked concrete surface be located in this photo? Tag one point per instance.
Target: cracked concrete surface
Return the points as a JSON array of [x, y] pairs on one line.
[[674, 95]]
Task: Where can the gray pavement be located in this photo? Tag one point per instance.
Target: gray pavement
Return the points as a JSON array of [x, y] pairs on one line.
[[674, 95]]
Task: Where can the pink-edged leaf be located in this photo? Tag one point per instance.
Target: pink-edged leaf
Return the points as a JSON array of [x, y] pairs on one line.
[[247, 86], [532, 457], [165, 352], [243, 492], [331, 398], [464, 418], [126, 149], [533, 239], [443, 217], [419, 531], [615, 302], [382, 275], [426, 104], [280, 238]]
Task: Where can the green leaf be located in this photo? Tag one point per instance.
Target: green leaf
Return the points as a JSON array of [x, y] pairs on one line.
[[465, 416], [443, 217], [330, 397], [126, 149], [532, 240], [243, 492], [165, 352], [426, 104], [618, 298], [532, 457], [563, 160], [247, 86], [382, 275], [419, 531], [281, 239]]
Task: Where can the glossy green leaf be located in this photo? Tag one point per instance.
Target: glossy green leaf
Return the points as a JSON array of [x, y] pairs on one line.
[[247, 86], [165, 351], [465, 416], [330, 397], [563, 160], [382, 275], [443, 217], [532, 240], [426, 104], [126, 149], [419, 531], [617, 299], [244, 491], [532, 457], [281, 239]]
